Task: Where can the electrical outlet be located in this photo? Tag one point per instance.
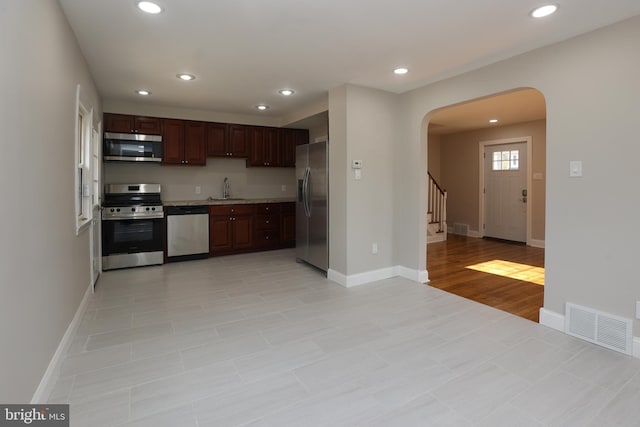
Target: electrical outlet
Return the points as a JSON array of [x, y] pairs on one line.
[[374, 248], [198, 189], [575, 168], [283, 188]]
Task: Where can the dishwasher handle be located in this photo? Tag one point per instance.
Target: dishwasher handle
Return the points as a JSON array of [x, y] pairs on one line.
[[187, 210]]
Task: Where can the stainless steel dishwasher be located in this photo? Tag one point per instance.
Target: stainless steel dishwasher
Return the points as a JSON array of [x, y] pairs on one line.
[[187, 232]]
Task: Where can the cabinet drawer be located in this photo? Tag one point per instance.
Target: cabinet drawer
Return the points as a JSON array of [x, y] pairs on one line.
[[263, 238], [288, 207], [267, 222], [231, 210], [267, 208]]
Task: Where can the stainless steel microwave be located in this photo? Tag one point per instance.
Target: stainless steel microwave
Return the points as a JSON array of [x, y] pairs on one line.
[[132, 147]]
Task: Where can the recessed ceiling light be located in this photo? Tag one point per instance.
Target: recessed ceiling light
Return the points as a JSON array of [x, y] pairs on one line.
[[493, 121], [543, 11], [186, 77], [143, 92], [286, 92], [262, 107], [149, 7], [401, 70]]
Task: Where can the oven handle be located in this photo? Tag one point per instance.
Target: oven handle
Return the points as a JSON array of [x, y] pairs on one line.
[[158, 216]]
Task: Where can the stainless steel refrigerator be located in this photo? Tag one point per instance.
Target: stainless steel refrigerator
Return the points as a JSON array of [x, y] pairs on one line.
[[312, 214]]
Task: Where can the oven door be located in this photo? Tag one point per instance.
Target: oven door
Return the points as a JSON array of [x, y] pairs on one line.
[[132, 242]]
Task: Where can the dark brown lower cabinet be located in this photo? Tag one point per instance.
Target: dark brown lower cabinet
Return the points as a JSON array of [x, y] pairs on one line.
[[251, 227], [267, 226], [288, 224], [230, 229]]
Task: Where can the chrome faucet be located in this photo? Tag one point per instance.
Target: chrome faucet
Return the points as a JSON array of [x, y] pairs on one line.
[[225, 188]]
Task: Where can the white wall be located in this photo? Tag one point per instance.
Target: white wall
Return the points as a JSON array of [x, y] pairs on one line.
[[44, 266], [361, 211], [338, 175], [593, 103]]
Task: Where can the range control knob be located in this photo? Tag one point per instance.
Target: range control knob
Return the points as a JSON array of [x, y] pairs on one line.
[[112, 210], [153, 209], [118, 210], [133, 209]]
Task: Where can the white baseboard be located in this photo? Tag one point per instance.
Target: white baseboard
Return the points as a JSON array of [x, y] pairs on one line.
[[51, 374], [411, 274], [474, 233], [536, 243], [360, 278], [552, 319], [375, 275], [339, 278]]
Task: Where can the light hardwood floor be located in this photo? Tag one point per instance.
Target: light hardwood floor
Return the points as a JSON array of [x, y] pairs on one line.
[[448, 262]]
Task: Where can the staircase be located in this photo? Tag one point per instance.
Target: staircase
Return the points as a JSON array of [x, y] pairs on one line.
[[436, 212]]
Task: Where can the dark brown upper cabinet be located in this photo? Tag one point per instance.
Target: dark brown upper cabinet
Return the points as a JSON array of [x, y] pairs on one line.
[[184, 142], [227, 140], [124, 123], [265, 146]]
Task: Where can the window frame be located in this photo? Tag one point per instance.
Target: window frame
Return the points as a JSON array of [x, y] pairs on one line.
[[83, 211], [505, 158]]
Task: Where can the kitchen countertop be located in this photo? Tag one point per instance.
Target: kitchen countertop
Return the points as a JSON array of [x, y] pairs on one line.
[[231, 201]]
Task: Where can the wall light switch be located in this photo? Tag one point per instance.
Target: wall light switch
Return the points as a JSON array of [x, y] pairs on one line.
[[198, 189], [283, 188], [358, 174], [575, 168], [374, 248], [637, 309]]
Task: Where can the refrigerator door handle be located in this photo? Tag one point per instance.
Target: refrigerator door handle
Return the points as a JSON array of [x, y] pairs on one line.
[[305, 192], [309, 192]]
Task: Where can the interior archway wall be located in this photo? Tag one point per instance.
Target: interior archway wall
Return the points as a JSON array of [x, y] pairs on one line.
[[592, 94]]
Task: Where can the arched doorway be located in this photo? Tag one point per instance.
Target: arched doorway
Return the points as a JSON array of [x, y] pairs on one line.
[[501, 274]]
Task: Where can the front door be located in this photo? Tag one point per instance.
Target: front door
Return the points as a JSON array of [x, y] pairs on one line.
[[505, 192]]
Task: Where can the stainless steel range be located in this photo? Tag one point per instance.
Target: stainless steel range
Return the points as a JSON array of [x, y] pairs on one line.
[[132, 226]]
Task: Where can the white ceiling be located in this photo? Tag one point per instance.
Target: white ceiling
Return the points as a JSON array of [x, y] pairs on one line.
[[244, 51], [508, 108]]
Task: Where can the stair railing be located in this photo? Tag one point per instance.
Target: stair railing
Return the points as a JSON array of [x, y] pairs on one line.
[[437, 198]]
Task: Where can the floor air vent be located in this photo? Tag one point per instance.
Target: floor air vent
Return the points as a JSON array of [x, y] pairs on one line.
[[600, 328]]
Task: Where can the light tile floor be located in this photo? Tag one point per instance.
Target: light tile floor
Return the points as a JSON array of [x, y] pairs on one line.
[[260, 340]]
